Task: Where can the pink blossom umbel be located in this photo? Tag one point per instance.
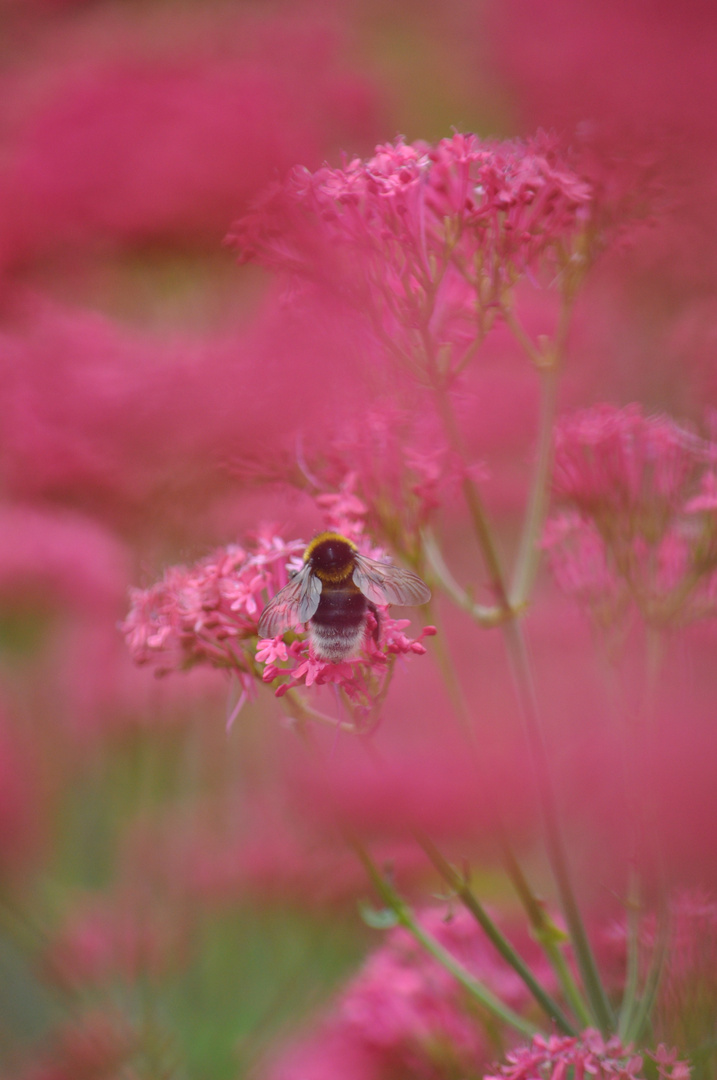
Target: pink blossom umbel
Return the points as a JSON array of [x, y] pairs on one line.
[[405, 1015], [589, 1055], [209, 612], [639, 526], [426, 241]]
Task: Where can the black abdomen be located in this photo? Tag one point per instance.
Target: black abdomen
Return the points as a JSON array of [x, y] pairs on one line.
[[337, 626], [340, 606]]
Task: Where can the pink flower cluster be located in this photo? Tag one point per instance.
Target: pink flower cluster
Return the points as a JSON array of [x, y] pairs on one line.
[[589, 1055], [209, 612], [639, 526], [687, 997], [428, 240], [364, 679], [404, 1014], [398, 461]]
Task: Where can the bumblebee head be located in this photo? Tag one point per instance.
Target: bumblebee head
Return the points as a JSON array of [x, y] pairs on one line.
[[331, 556]]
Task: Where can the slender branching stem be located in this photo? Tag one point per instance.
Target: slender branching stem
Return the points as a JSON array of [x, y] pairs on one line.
[[522, 674], [547, 935], [636, 1008], [529, 551], [520, 335], [470, 901], [548, 363], [632, 975], [643, 1010], [442, 655], [474, 503], [485, 616], [553, 834], [405, 917]]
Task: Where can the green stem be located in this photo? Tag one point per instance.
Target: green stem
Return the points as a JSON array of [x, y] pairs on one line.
[[636, 1010], [548, 363], [444, 659], [529, 551], [547, 935], [554, 840], [642, 1013], [474, 504], [485, 997], [526, 696], [632, 974], [520, 335], [472, 904], [485, 616]]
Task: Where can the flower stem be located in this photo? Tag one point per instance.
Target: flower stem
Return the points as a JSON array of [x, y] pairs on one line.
[[529, 552], [486, 616], [554, 840], [474, 504], [444, 661], [472, 904], [525, 690], [629, 1000], [652, 982], [548, 362], [547, 935], [404, 916], [518, 656]]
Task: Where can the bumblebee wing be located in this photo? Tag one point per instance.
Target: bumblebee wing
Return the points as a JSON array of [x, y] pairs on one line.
[[385, 584], [292, 605]]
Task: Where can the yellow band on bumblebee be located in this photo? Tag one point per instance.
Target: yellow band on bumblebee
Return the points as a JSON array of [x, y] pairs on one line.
[[322, 537]]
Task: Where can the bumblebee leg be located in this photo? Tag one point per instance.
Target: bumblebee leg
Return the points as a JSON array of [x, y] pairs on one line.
[[374, 611]]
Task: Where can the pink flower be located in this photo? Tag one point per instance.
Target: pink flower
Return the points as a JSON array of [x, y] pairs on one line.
[[404, 1014], [269, 650], [363, 679], [207, 612], [395, 464], [687, 996], [580, 565], [507, 201], [557, 1058], [618, 466], [426, 241], [634, 532], [343, 510]]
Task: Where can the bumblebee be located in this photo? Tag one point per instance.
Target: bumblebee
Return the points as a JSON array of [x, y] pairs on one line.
[[333, 593]]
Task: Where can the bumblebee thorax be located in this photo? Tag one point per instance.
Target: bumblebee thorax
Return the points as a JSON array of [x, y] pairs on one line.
[[331, 556]]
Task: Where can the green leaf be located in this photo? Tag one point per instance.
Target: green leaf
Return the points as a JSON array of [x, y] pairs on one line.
[[377, 918]]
